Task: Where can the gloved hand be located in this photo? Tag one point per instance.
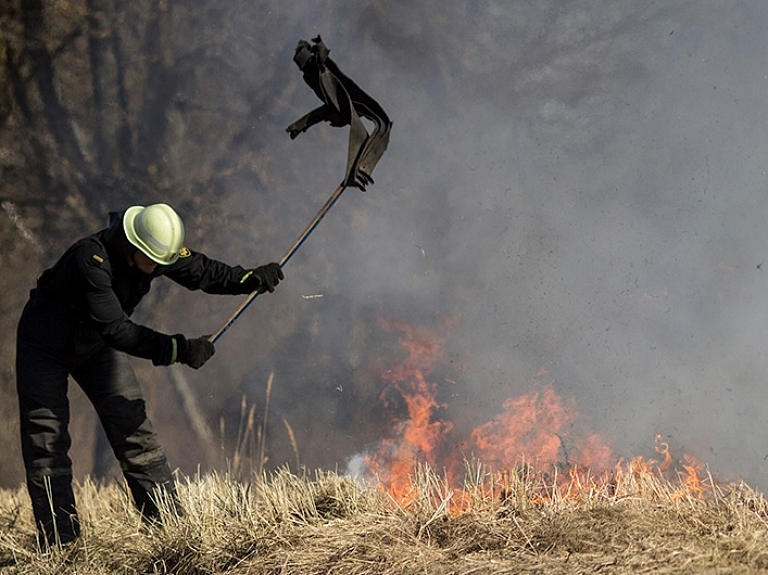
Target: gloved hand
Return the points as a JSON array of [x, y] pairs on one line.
[[266, 277], [194, 352]]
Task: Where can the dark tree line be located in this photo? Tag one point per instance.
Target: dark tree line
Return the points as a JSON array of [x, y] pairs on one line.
[[107, 103], [101, 106]]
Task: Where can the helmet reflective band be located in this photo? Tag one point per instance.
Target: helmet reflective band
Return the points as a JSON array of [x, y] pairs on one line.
[[156, 230]]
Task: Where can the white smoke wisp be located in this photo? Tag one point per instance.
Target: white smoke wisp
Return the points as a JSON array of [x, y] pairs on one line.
[[21, 226]]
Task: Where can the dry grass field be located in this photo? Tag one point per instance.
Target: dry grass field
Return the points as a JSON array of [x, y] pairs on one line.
[[521, 521]]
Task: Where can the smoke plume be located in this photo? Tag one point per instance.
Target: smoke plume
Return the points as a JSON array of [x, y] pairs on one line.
[[581, 185]]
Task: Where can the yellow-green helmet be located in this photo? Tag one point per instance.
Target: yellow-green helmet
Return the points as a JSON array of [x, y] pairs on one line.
[[156, 230]]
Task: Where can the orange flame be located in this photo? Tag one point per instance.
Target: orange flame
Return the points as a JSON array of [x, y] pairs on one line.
[[529, 427], [662, 448], [418, 437], [536, 427], [691, 476]]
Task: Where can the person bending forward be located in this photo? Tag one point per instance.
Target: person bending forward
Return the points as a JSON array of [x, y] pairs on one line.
[[77, 323]]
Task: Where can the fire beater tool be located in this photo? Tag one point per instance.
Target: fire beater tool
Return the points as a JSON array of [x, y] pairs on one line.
[[344, 103]]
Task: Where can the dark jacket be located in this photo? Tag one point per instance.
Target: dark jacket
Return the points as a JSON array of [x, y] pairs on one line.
[[90, 293]]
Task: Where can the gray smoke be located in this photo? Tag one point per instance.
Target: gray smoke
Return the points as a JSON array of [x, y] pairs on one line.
[[581, 184]]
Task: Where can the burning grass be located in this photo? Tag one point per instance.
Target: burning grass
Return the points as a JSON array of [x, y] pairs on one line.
[[512, 522]]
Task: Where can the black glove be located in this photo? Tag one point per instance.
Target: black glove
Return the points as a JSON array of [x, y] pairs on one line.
[[194, 352], [266, 277]]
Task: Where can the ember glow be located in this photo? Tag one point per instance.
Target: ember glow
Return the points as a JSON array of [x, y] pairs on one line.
[[536, 429]]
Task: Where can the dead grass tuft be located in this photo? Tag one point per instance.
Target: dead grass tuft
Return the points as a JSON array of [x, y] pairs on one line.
[[511, 522]]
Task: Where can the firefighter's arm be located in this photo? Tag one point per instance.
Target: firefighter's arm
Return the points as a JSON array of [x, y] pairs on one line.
[[113, 324], [194, 271]]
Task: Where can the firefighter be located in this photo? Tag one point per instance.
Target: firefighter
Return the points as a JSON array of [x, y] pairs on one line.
[[77, 323]]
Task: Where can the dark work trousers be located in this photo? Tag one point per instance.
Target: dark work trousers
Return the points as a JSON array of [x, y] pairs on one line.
[[47, 352]]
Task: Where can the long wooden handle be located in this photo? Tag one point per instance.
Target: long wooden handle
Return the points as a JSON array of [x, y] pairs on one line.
[[287, 256]]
